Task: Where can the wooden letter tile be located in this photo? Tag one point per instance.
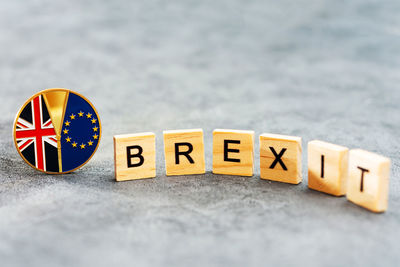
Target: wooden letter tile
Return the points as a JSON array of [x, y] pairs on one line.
[[280, 158], [327, 167], [233, 152], [134, 156], [184, 152], [368, 180]]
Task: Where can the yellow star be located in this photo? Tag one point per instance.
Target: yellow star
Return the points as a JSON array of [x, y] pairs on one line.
[[83, 146], [80, 114], [88, 115], [74, 144], [95, 136], [90, 143], [65, 131], [68, 139], [94, 121], [67, 123], [72, 116], [95, 129]]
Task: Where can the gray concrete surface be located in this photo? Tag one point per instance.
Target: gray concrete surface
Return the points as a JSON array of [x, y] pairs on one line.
[[317, 69]]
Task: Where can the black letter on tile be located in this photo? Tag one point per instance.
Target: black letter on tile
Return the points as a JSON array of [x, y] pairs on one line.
[[362, 177], [227, 150], [129, 156], [322, 165], [278, 158], [184, 153]]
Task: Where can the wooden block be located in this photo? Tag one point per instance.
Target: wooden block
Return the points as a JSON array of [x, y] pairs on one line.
[[134, 156], [368, 181], [280, 158], [184, 152], [233, 152], [327, 167]]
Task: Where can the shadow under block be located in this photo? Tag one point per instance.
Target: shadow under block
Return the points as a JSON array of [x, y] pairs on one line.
[[134, 156], [233, 152], [280, 158], [368, 181], [184, 152], [327, 167]]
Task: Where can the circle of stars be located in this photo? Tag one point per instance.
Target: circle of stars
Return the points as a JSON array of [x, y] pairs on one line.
[[95, 130]]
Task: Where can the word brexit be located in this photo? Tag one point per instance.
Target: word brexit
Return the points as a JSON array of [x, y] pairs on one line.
[[361, 175]]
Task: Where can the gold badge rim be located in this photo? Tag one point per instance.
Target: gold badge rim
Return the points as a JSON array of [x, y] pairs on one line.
[[41, 93]]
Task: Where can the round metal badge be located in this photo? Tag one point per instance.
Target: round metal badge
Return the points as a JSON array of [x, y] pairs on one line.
[[57, 131]]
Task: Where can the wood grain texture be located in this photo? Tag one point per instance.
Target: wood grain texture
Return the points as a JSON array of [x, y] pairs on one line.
[[147, 142], [291, 172], [195, 138], [327, 167], [368, 180], [244, 156]]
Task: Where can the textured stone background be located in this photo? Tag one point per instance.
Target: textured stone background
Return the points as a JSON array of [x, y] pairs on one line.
[[317, 69]]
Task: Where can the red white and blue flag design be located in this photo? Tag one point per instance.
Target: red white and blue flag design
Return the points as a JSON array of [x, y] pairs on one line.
[[36, 137]]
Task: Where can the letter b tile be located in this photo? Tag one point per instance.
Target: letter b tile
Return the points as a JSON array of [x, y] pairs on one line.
[[280, 158], [134, 156], [184, 152], [368, 181]]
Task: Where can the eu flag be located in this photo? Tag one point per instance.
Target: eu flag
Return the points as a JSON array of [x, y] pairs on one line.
[[80, 133]]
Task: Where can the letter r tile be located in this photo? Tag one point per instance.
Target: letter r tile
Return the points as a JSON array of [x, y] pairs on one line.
[[280, 158], [134, 156], [184, 152], [233, 152]]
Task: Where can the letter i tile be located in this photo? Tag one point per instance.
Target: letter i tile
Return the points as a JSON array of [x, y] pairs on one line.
[[327, 167]]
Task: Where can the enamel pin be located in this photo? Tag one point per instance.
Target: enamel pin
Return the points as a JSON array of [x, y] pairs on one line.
[[57, 131]]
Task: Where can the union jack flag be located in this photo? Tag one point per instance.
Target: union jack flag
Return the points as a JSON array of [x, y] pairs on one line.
[[36, 137]]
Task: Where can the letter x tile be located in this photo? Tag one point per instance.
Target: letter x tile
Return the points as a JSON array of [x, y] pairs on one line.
[[280, 158]]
